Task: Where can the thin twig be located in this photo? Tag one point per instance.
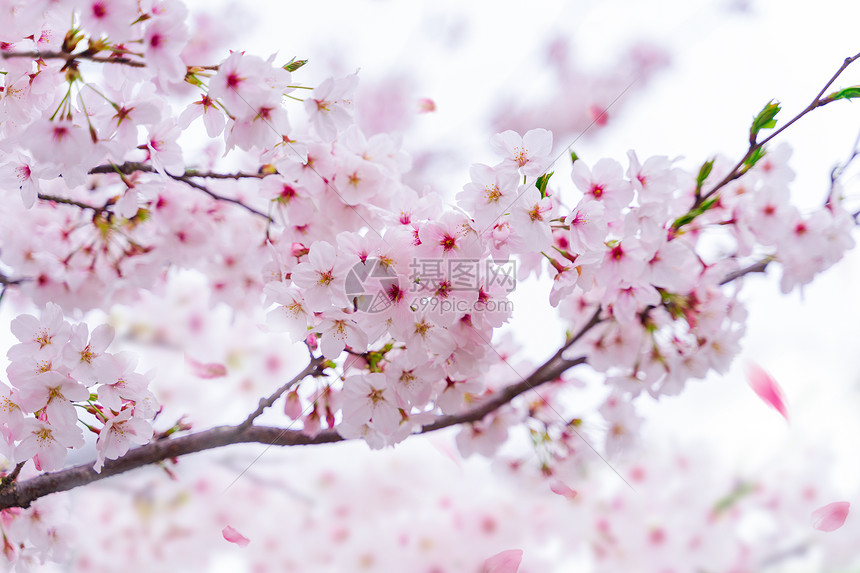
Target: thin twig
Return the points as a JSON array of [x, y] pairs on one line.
[[130, 167], [313, 368], [73, 202], [757, 267], [71, 57], [185, 179], [817, 102], [13, 475]]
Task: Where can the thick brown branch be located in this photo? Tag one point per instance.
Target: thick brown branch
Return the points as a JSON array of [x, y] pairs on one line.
[[548, 372], [22, 494]]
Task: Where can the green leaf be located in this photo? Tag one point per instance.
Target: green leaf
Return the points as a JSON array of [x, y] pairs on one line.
[[704, 171], [573, 157], [757, 154], [542, 182], [690, 216], [766, 119], [294, 64], [741, 490], [847, 93]]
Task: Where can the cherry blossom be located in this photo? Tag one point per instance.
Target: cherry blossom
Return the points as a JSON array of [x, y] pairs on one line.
[[118, 434], [330, 105], [47, 443], [530, 153]]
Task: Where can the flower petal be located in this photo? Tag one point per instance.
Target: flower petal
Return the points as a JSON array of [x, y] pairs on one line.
[[767, 389], [234, 536], [562, 489], [504, 562], [205, 371], [830, 517]]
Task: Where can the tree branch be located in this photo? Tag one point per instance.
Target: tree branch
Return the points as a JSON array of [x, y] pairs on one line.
[[312, 369], [757, 267], [185, 179], [737, 170], [71, 57], [130, 167], [22, 494], [73, 202]]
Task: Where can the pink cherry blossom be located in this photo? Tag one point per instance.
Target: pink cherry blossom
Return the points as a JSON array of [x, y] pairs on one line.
[[604, 183], [490, 193], [370, 400], [339, 331], [530, 153], [321, 278], [117, 435], [110, 18], [163, 41], [530, 216], [47, 443], [330, 105]]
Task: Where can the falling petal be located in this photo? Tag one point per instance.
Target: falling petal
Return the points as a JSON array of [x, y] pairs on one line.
[[206, 371], [562, 489], [234, 536], [830, 517], [504, 562], [767, 389]]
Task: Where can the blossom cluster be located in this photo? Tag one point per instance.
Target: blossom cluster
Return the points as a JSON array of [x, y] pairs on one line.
[[59, 371]]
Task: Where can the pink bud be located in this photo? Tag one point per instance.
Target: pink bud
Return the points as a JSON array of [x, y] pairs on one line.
[[426, 105], [312, 424], [234, 536], [293, 405], [504, 562], [298, 250], [311, 341], [830, 517], [767, 389]]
